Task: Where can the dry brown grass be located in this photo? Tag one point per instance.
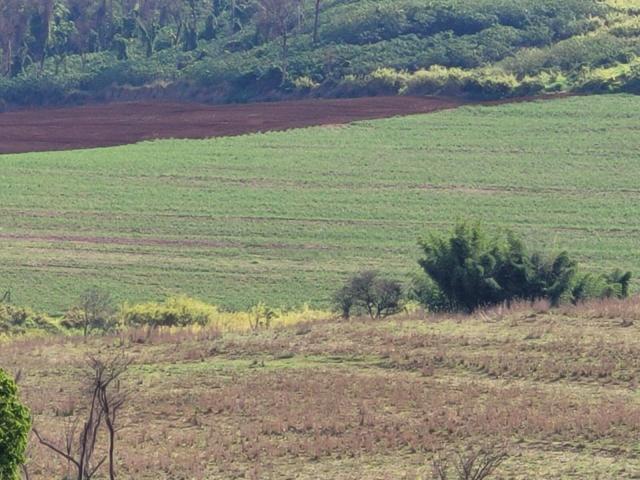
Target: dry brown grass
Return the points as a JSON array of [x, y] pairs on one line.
[[360, 399]]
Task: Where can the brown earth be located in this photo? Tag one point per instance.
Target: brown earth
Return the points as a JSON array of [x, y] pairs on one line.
[[124, 123]]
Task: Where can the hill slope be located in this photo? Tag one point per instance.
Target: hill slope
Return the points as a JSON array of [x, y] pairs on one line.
[[284, 217], [220, 50]]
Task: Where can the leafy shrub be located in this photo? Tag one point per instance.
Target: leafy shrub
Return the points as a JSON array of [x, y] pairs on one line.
[[348, 86], [173, 312], [367, 22], [478, 83], [261, 316], [369, 293], [45, 89], [437, 80], [628, 27], [473, 270], [631, 81], [304, 84], [590, 51], [427, 293], [601, 80], [543, 82], [15, 423], [383, 81], [612, 285], [614, 78], [179, 312], [374, 22], [19, 320], [495, 84], [386, 81]]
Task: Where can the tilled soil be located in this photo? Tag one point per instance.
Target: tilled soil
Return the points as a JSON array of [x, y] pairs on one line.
[[111, 124]]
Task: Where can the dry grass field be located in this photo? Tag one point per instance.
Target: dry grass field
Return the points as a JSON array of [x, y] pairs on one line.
[[358, 399]]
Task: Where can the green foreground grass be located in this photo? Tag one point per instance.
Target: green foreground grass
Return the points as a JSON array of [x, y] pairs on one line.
[[284, 217]]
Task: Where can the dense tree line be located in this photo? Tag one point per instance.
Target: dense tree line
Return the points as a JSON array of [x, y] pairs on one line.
[[249, 49], [33, 30]]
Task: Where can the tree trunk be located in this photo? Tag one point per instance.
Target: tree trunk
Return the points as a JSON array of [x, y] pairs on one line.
[[48, 12], [8, 58], [112, 448], [233, 15], [316, 22], [285, 54]]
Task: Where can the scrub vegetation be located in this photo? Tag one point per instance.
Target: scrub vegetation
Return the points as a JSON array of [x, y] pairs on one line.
[[552, 389]]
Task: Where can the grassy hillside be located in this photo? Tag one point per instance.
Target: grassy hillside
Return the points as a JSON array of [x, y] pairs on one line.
[[320, 401], [202, 49], [283, 217]]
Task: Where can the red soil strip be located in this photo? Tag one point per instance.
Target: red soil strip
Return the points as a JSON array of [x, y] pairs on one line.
[[124, 123]]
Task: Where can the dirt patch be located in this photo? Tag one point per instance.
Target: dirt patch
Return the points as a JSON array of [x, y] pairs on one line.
[[112, 124]]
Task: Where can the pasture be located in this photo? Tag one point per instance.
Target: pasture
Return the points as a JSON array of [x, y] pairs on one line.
[[317, 400], [284, 217]]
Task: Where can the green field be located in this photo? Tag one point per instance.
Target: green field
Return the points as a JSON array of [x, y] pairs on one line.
[[284, 217]]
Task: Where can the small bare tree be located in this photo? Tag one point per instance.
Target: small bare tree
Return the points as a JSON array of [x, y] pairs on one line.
[[111, 398], [106, 399], [473, 464]]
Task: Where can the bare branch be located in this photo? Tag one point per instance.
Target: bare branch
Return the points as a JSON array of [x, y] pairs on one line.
[[470, 464], [50, 446], [106, 399]]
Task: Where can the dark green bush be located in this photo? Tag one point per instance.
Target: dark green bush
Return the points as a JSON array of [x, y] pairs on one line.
[[588, 51], [426, 292], [369, 293], [631, 81], [45, 89], [473, 270], [592, 286], [372, 22]]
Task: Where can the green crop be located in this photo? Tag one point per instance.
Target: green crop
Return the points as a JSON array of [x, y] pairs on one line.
[[285, 217]]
